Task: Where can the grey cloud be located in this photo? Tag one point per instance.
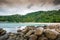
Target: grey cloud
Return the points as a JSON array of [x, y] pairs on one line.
[[13, 2], [29, 3], [57, 2]]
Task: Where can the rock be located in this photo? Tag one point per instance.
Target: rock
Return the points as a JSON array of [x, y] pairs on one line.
[[12, 36], [19, 32], [28, 28], [39, 31], [42, 38], [58, 37], [52, 34], [32, 37], [29, 33], [58, 30], [19, 38], [1, 29], [25, 30], [31, 27], [50, 27], [4, 37], [53, 27], [2, 32]]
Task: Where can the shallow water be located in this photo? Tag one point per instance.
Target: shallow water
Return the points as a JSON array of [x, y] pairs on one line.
[[12, 27]]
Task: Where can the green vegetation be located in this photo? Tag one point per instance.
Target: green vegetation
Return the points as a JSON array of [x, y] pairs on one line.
[[40, 16]]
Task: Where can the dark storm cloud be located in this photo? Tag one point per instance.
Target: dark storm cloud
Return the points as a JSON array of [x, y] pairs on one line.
[[57, 2]]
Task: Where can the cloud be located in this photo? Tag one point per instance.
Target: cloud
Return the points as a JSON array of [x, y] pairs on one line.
[[57, 2], [8, 7], [25, 2]]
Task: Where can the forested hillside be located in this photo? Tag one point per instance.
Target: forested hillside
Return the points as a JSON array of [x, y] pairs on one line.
[[40, 16]]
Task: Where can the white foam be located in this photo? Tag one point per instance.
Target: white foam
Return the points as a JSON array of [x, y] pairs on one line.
[[21, 27]]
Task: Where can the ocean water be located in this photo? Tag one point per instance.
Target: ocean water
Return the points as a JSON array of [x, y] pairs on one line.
[[13, 27]]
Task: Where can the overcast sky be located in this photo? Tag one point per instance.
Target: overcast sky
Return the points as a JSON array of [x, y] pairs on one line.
[[22, 7]]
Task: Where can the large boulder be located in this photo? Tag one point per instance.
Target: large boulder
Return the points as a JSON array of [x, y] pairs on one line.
[[39, 31], [51, 33]]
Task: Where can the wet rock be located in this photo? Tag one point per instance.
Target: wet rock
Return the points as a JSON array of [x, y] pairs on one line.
[[39, 31], [32, 37], [2, 32], [52, 34]]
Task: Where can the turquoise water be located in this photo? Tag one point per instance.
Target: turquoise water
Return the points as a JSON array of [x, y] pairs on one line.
[[12, 27]]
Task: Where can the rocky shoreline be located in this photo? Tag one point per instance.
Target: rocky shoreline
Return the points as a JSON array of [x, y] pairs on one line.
[[50, 32]]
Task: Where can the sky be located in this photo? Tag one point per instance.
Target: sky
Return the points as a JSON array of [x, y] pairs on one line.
[[22, 7]]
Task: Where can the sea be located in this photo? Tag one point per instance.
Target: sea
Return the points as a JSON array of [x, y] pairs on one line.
[[13, 27]]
